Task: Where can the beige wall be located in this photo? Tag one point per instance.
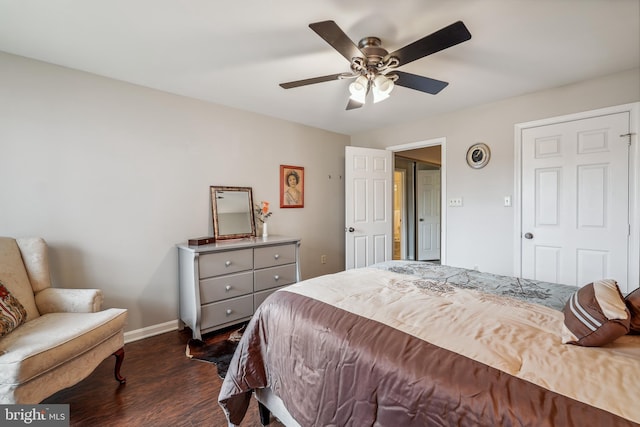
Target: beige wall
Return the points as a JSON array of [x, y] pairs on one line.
[[481, 233], [113, 175]]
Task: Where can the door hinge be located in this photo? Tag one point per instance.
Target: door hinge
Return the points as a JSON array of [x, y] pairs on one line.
[[628, 136]]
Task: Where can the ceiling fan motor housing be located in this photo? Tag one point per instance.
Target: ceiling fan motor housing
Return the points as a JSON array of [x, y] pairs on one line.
[[373, 62], [372, 47]]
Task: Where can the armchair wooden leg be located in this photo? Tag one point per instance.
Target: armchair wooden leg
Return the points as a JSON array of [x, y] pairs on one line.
[[119, 354]]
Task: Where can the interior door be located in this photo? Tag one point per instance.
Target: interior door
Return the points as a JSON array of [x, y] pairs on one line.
[[575, 201], [428, 214], [368, 206]]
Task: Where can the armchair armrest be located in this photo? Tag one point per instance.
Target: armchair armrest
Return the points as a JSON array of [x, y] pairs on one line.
[[58, 300]]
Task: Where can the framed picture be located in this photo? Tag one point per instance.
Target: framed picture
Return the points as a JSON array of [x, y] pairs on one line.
[[291, 186]]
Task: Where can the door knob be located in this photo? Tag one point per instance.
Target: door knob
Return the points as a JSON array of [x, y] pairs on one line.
[[351, 229], [528, 236], [421, 219]]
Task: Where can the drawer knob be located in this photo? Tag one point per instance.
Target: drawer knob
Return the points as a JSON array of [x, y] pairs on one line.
[[229, 311], [276, 277], [227, 288], [276, 256], [227, 263]]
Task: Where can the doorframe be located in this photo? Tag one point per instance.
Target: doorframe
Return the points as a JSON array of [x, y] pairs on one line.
[[633, 261], [442, 142], [403, 212]]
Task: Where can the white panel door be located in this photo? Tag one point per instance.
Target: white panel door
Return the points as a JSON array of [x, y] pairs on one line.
[[428, 214], [575, 201], [368, 206]]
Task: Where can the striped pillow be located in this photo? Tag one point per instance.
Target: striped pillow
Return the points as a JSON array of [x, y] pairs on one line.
[[633, 304], [595, 315], [12, 313]]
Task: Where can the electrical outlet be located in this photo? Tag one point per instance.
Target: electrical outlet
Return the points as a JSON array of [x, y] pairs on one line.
[[455, 202], [323, 259], [507, 201]]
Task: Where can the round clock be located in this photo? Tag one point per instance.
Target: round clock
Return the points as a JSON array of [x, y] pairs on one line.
[[478, 155]]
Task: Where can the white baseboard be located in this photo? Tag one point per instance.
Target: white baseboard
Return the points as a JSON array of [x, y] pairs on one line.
[[150, 331]]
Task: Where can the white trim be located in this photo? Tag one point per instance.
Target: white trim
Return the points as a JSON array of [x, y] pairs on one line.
[[634, 185], [403, 220], [442, 142], [150, 331]]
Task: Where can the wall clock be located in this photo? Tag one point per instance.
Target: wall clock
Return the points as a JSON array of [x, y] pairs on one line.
[[478, 155]]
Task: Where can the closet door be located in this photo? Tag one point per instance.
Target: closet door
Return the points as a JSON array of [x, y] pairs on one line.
[[575, 200]]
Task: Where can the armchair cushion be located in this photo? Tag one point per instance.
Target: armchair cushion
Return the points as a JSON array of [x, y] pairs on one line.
[[60, 300], [52, 340], [12, 313]]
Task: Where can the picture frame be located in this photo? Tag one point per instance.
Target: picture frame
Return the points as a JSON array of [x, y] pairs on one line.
[[291, 186]]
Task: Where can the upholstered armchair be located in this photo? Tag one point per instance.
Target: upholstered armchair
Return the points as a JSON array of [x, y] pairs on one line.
[[50, 338]]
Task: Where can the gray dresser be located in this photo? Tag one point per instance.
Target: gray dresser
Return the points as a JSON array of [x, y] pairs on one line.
[[224, 283]]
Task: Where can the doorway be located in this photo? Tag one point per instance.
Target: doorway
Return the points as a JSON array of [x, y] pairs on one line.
[[417, 210]]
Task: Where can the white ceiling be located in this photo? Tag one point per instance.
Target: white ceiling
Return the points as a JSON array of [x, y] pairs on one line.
[[236, 53]]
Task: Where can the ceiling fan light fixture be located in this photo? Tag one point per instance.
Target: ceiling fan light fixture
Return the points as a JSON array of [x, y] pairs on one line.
[[379, 95], [382, 87], [359, 86], [359, 97], [359, 89], [383, 84]]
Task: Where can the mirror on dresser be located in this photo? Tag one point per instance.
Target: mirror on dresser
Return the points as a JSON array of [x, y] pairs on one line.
[[232, 209]]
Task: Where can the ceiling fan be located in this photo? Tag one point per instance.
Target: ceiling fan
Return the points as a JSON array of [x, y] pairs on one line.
[[375, 69]]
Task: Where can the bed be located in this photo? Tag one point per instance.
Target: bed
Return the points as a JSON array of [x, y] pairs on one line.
[[418, 344]]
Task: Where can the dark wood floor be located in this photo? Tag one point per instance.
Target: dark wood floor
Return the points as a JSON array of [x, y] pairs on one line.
[[164, 388]]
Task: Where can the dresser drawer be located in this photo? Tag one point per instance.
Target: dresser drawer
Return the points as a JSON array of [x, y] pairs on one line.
[[228, 262], [270, 256], [259, 297], [226, 311], [274, 277], [224, 287]]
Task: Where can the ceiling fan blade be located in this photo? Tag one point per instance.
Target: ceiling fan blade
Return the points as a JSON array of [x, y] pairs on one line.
[[353, 104], [314, 80], [442, 39], [423, 84], [333, 35]]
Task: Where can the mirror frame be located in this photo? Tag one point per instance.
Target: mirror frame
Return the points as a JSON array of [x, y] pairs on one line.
[[216, 220]]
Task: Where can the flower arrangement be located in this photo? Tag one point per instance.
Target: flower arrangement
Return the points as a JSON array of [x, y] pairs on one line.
[[262, 212]]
